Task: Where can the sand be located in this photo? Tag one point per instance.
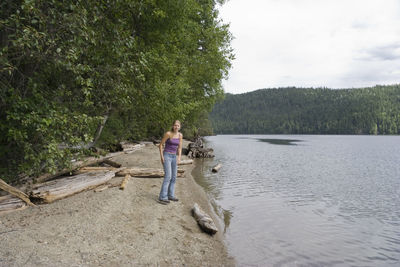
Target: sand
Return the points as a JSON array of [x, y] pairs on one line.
[[115, 227]]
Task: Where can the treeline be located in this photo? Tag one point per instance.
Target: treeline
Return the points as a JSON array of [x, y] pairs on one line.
[[373, 110], [75, 74]]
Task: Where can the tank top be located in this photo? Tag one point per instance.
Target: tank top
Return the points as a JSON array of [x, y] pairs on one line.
[[171, 145]]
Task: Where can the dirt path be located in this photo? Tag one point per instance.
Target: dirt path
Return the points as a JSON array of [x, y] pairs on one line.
[[114, 227]]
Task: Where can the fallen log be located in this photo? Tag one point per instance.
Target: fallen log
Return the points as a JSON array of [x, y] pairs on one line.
[[112, 163], [146, 172], [216, 167], [204, 220], [64, 187], [16, 192], [124, 182], [10, 203], [129, 148], [101, 188], [75, 165], [186, 162]]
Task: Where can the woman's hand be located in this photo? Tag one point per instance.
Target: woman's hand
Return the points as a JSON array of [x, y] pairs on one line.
[[178, 161]]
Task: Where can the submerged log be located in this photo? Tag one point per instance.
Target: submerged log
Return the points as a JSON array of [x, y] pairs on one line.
[[146, 172], [204, 220], [10, 203], [64, 187], [16, 192], [124, 182], [216, 167]]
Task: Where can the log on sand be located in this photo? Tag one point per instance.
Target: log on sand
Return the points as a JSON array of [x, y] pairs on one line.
[[124, 182], [204, 220], [146, 172], [112, 163], [67, 186], [16, 192], [76, 165], [186, 162], [101, 188], [10, 203]]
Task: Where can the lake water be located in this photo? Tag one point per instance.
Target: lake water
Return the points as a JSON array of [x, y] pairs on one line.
[[306, 200]]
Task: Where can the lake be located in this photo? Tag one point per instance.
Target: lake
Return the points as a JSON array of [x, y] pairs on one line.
[[306, 200]]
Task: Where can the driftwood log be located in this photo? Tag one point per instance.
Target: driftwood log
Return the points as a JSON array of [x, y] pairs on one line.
[[112, 163], [216, 168], [124, 182], [76, 165], [16, 192], [146, 172], [101, 188], [129, 148], [186, 162], [64, 187], [204, 220], [10, 203]]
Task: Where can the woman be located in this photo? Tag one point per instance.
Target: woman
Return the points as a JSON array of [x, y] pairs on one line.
[[173, 143]]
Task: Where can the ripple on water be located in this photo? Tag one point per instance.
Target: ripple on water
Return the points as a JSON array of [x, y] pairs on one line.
[[329, 200]]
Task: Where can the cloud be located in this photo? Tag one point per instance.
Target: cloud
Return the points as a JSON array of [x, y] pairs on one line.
[[330, 43], [386, 52]]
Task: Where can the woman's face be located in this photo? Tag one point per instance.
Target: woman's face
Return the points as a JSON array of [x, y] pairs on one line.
[[176, 126]]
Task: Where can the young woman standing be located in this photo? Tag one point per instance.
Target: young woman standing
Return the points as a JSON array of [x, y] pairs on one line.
[[173, 144]]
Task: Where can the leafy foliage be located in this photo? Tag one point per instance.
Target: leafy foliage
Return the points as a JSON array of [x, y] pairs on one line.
[[373, 110], [67, 66]]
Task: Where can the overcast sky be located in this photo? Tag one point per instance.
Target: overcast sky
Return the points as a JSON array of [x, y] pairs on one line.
[[313, 43]]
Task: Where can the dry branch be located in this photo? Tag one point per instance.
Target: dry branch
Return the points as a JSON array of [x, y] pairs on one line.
[[16, 192], [124, 182]]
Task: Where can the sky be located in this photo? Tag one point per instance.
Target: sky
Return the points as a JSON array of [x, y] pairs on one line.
[[312, 43]]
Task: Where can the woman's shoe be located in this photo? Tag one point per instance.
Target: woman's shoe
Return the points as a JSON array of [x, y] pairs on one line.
[[173, 198], [163, 201]]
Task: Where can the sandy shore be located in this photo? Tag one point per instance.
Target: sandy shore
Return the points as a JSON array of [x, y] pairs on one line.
[[115, 227]]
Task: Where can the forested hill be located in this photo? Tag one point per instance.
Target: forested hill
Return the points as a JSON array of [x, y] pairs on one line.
[[373, 110]]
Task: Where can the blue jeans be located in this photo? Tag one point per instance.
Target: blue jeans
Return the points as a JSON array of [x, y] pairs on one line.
[[170, 171]]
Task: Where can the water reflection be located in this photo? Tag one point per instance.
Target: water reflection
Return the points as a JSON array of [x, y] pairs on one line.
[[287, 142]]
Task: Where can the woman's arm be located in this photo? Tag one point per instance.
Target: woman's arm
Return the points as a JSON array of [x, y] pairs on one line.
[[180, 148], [161, 147]]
